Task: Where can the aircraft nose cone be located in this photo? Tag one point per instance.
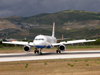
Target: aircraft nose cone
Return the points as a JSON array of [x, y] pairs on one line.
[[38, 43]]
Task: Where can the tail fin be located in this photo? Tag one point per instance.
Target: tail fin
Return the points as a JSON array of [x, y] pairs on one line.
[[53, 31]]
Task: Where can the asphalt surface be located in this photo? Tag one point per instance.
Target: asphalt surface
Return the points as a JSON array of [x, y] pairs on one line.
[[48, 55]]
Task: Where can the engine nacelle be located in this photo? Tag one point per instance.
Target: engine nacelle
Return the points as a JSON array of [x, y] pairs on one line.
[[62, 47], [27, 48]]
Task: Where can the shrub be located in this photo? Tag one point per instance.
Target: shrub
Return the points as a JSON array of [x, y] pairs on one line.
[[26, 65]]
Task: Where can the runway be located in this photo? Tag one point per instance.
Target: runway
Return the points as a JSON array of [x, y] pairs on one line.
[[46, 55]]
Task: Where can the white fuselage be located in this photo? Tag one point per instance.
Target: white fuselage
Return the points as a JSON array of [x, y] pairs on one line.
[[42, 41]]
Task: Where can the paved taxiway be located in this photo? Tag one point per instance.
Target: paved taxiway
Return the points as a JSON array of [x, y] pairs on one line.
[[64, 55]]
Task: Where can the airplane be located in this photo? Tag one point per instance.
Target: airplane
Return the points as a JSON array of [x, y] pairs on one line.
[[43, 41]]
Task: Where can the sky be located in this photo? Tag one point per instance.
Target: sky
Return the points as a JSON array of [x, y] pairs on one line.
[[26, 8]]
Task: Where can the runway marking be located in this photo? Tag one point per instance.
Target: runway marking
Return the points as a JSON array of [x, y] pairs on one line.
[[46, 55]]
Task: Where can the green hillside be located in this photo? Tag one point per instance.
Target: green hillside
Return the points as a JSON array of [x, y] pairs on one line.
[[75, 33], [71, 23], [60, 17], [63, 17]]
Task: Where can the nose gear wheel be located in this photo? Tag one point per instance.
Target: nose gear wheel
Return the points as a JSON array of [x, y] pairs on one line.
[[37, 51]]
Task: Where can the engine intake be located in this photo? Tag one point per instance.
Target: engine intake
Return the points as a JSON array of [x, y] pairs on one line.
[[27, 48], [62, 47]]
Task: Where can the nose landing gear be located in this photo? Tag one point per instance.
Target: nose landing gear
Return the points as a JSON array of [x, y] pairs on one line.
[[37, 51]]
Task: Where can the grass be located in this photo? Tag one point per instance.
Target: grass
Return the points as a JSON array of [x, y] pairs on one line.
[[45, 63], [59, 67], [26, 65], [11, 48], [75, 60], [70, 65], [86, 60], [87, 64], [68, 48], [83, 46]]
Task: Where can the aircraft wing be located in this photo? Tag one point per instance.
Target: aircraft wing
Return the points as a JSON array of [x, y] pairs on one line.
[[19, 43], [72, 42]]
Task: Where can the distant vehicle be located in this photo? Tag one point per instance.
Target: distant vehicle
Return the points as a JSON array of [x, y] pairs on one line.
[[44, 41], [10, 40]]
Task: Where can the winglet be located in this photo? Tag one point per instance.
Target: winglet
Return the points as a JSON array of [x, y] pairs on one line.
[[53, 31]]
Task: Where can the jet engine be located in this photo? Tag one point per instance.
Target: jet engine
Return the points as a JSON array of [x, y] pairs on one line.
[[62, 47], [27, 48]]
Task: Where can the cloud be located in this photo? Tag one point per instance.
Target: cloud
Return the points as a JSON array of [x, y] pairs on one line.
[[32, 7]]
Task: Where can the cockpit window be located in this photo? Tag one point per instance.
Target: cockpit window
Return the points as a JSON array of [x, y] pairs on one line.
[[39, 39]]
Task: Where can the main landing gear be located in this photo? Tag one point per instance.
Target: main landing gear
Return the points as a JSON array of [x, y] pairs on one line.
[[58, 51], [37, 51]]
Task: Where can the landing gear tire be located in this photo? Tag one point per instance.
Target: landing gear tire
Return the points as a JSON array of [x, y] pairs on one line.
[[40, 53], [36, 51], [58, 51]]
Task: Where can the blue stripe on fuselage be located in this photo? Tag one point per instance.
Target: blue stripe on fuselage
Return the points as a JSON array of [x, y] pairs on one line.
[[43, 46]]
